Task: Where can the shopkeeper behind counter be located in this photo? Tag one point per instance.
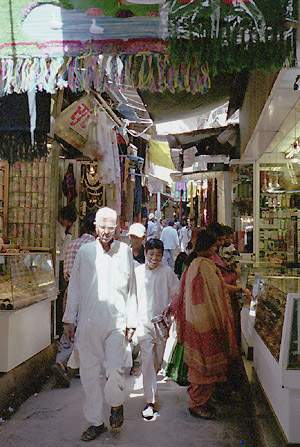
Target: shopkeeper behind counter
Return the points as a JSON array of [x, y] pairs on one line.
[[66, 218]]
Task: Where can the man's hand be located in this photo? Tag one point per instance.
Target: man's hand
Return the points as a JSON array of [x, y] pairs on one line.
[[69, 331], [129, 333]]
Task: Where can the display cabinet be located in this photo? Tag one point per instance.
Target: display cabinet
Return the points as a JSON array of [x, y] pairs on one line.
[[27, 287], [242, 206], [3, 197], [25, 279], [270, 285], [32, 203], [279, 213], [280, 377]]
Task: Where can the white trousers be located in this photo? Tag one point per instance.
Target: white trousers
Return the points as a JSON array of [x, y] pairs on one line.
[[102, 376], [152, 353]]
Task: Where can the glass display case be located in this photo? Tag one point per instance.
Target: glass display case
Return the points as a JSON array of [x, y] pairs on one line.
[[270, 309], [3, 197], [279, 213], [25, 279], [32, 203], [242, 206], [276, 343], [270, 285], [294, 345]]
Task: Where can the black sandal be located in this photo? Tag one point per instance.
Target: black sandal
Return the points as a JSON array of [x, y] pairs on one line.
[[93, 432], [116, 418]]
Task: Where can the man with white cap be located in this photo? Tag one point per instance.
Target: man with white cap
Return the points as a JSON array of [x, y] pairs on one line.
[[136, 234], [102, 295], [153, 227]]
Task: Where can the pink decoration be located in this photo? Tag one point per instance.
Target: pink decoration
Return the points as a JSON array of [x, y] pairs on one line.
[[94, 12]]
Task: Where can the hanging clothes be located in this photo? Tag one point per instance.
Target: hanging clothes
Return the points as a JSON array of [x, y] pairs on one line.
[[69, 184]]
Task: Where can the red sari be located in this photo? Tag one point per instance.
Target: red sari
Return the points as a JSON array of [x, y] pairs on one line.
[[205, 327]]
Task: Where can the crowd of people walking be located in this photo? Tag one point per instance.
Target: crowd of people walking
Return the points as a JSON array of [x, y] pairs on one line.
[[122, 299]]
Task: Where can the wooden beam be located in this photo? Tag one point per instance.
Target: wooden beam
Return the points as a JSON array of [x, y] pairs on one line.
[[108, 109]]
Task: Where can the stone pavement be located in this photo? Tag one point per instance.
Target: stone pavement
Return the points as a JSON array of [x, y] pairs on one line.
[[53, 418]]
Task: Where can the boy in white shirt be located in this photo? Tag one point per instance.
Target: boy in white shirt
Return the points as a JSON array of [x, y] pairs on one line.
[[156, 286]]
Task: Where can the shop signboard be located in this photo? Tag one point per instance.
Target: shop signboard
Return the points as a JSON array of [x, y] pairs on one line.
[[72, 124]]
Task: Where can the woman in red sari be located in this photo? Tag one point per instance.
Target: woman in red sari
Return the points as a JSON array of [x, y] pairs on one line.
[[205, 326]]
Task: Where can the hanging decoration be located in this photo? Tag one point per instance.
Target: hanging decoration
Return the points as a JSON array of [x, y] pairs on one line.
[[146, 71], [232, 35], [169, 45], [155, 72]]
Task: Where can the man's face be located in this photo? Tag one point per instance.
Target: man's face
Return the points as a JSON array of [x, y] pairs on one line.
[[67, 224], [153, 257], [136, 242], [106, 229]]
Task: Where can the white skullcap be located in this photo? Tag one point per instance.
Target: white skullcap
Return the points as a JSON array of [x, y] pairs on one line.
[[151, 216], [137, 229], [105, 214]]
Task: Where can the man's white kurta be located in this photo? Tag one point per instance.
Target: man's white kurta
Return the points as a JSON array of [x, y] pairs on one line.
[[169, 237], [102, 291]]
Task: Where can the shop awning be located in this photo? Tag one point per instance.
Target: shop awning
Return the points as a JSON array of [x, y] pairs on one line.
[[191, 147], [159, 163]]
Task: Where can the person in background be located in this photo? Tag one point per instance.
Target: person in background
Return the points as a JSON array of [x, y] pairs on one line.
[[156, 286], [228, 251], [229, 271], [151, 226], [144, 213], [169, 237], [87, 234], [66, 218], [102, 301], [137, 233], [219, 231], [204, 326], [180, 264], [194, 234], [184, 235]]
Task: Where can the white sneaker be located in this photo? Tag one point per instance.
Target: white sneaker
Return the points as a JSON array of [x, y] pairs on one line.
[[148, 412]]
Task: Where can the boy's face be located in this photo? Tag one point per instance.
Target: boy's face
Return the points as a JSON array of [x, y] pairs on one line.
[[154, 258], [220, 241], [228, 240]]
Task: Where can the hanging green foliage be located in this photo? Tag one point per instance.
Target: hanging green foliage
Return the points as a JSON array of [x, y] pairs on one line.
[[232, 35]]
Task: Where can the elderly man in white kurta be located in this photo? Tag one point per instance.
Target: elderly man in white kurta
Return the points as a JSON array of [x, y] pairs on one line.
[[102, 295], [157, 284]]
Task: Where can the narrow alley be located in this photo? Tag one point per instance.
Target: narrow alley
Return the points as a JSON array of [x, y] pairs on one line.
[[53, 418]]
